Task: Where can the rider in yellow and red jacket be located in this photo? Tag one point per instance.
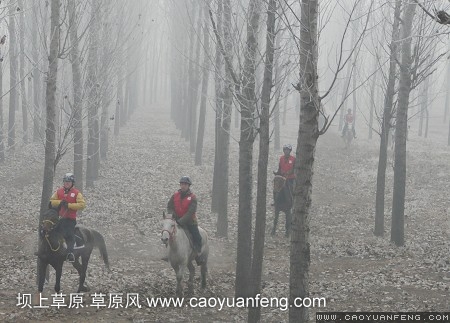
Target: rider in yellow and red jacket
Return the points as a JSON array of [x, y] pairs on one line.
[[71, 200], [183, 205]]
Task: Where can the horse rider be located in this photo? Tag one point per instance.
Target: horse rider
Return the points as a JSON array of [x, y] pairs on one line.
[[183, 205], [348, 119], [70, 201], [286, 167]]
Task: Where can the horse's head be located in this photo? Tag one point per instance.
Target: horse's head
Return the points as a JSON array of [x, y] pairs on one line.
[[169, 229], [278, 183], [281, 193], [50, 220], [49, 231]]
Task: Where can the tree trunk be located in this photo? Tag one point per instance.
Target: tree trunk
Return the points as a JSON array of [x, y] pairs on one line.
[[247, 137], [448, 137], [50, 94], [77, 97], [2, 145], [277, 95], [423, 104], [22, 72], [44, 54], [106, 84], [119, 73], [447, 92], [205, 81], [398, 203], [345, 90], [218, 88], [37, 110], [195, 84], [224, 130], [306, 143], [386, 124], [373, 100], [254, 314], [92, 90], [13, 65]]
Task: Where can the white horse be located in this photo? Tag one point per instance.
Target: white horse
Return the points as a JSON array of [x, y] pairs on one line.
[[181, 252]]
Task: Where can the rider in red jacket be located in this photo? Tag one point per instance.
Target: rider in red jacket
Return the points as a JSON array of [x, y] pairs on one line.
[[71, 200], [286, 167], [183, 205], [349, 123]]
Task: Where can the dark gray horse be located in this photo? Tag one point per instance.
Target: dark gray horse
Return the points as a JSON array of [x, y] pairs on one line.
[[283, 201], [53, 251], [348, 137]]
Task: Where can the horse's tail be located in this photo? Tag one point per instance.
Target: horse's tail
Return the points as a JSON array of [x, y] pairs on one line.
[[99, 242]]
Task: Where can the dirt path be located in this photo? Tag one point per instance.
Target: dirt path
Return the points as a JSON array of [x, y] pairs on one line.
[[351, 268]]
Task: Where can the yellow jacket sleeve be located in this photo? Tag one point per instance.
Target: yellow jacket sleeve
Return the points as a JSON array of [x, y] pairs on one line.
[[54, 200], [79, 205]]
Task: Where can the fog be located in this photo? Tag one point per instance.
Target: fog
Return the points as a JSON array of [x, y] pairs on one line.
[[130, 96]]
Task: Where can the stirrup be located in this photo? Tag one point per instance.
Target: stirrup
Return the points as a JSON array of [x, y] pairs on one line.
[[70, 257]]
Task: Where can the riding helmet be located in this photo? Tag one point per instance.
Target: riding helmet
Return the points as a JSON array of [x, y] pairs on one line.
[[287, 146], [185, 179], [69, 177]]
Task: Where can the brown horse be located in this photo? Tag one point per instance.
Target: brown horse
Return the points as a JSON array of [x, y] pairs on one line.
[[283, 201], [53, 251]]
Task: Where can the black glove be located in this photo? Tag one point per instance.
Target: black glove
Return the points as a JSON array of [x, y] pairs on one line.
[[184, 220], [64, 204]]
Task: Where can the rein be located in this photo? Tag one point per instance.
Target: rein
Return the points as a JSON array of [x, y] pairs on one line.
[[47, 234], [171, 234]]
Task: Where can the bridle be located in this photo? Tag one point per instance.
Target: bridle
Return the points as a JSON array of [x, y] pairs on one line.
[[171, 233], [46, 231]]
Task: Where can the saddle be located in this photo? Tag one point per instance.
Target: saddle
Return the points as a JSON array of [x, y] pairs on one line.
[[79, 238], [199, 258], [189, 236]]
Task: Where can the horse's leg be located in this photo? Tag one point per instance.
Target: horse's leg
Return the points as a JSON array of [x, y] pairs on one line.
[[275, 220], [58, 268], [191, 277], [180, 275], [204, 270], [191, 272], [82, 268], [47, 275], [288, 222], [42, 269]]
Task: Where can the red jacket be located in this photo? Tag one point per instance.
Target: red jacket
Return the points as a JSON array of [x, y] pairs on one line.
[[287, 166], [182, 205], [349, 118], [70, 197]]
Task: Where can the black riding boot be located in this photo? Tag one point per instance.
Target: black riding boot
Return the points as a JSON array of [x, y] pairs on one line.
[[196, 237], [68, 229]]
